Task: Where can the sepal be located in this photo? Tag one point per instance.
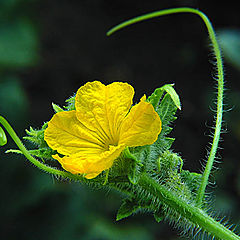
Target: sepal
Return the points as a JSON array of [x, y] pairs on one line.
[[131, 166], [166, 110], [70, 103], [191, 179], [128, 207], [132, 171], [159, 216], [56, 108], [36, 136]]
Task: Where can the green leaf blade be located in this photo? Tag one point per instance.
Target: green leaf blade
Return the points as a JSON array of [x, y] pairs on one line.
[[128, 207]]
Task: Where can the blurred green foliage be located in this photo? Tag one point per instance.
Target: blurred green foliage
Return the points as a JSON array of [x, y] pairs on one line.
[[229, 40], [18, 44], [14, 100]]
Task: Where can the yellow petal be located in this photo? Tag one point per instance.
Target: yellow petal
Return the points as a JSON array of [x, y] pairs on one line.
[[141, 126], [68, 136], [102, 108], [90, 165]]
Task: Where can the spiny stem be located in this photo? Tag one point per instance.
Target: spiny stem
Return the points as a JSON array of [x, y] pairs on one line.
[[220, 80], [194, 214]]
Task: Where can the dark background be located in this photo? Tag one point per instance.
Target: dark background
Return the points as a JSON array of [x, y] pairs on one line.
[[48, 49]]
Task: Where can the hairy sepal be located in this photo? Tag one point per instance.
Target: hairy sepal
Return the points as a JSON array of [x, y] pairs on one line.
[[36, 137], [128, 207]]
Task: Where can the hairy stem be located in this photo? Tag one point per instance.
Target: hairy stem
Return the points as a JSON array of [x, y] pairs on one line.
[[220, 80], [194, 214]]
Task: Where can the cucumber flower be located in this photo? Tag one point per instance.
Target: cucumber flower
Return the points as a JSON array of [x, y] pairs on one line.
[[90, 138]]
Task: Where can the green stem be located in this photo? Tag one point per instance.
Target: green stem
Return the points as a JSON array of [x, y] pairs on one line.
[[220, 80], [194, 214], [34, 161]]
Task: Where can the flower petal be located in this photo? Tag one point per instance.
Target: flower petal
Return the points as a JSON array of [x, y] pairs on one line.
[[68, 136], [102, 108], [90, 165], [141, 126]]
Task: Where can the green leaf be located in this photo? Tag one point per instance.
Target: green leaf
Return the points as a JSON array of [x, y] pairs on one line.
[[56, 108], [170, 162], [157, 94], [3, 138], [174, 96], [191, 179], [36, 136], [168, 142], [128, 207], [70, 103], [166, 111], [132, 173], [159, 216], [131, 165]]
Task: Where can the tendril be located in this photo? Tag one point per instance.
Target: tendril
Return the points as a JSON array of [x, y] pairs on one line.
[[220, 80], [16, 139]]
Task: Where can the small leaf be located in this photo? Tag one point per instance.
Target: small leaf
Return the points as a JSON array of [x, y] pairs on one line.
[[157, 94], [166, 111], [158, 216], [169, 141], [70, 103], [36, 136], [3, 138], [155, 97], [128, 207], [191, 179], [132, 171], [56, 108], [171, 91]]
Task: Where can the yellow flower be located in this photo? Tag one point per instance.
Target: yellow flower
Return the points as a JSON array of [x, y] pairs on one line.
[[91, 137]]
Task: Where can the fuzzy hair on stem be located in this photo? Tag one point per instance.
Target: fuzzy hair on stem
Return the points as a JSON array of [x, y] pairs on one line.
[[219, 78]]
